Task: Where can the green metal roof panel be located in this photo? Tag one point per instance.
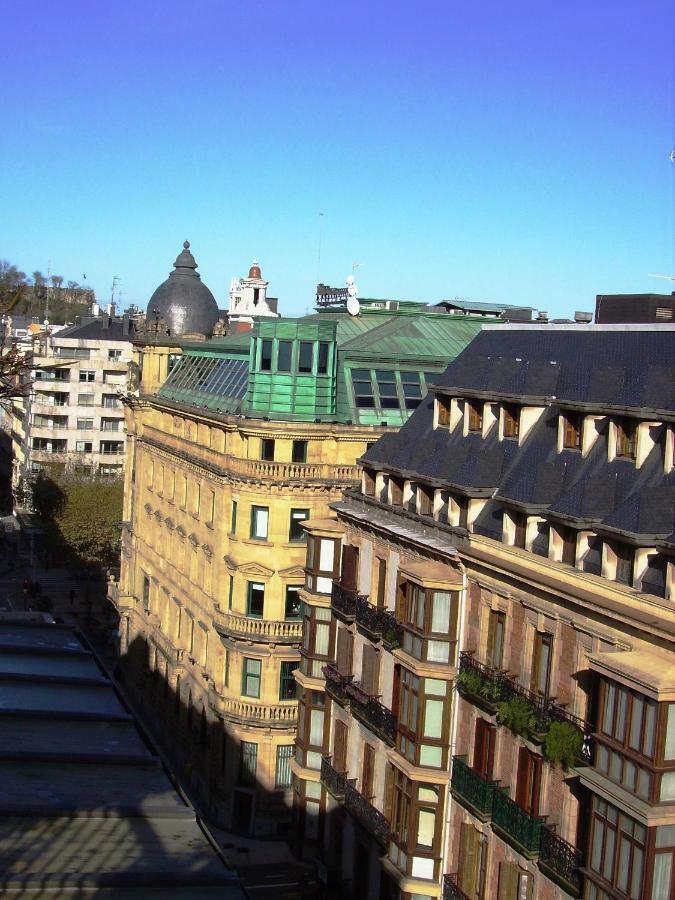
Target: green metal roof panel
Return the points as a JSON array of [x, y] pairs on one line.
[[431, 337]]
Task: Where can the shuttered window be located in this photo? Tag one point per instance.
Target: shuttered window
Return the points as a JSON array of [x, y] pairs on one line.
[[283, 775], [528, 781], [541, 663], [469, 859], [370, 670], [344, 651], [340, 746], [495, 643], [484, 748], [368, 771]]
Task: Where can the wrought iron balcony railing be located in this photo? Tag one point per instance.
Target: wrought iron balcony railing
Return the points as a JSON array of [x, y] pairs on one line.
[[516, 826], [379, 623], [343, 602], [365, 813], [561, 861], [451, 888], [471, 790], [332, 780], [488, 687], [372, 713], [337, 685]]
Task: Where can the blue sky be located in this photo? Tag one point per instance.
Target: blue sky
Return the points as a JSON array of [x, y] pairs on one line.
[[515, 152]]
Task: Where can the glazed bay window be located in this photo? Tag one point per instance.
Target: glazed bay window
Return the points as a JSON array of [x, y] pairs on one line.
[[310, 729], [255, 601], [315, 650], [423, 718], [251, 673], [617, 850], [259, 522], [414, 810], [296, 533], [429, 617], [323, 563]]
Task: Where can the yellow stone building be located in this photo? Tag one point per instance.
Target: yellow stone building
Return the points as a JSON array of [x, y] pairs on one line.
[[232, 442]]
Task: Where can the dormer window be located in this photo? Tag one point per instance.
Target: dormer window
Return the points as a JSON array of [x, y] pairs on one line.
[[475, 415], [624, 563], [443, 407], [626, 433], [520, 529], [511, 421], [572, 431]]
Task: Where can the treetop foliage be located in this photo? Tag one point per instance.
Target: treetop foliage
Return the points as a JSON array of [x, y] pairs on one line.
[[37, 295]]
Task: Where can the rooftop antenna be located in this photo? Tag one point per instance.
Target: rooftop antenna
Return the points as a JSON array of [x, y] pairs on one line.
[[318, 258], [115, 286]]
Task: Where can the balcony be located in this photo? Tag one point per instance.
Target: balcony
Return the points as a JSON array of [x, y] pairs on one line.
[[335, 782], [378, 624], [516, 826], [373, 714], [264, 715], [337, 685], [257, 630], [343, 603], [264, 470], [451, 888], [560, 861], [365, 813], [489, 688], [471, 790]]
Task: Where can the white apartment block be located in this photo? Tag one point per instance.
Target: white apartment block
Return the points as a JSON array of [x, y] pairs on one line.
[[72, 418]]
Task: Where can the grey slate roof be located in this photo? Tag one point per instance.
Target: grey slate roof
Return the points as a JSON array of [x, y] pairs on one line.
[[535, 477], [96, 329], [623, 367], [84, 801]]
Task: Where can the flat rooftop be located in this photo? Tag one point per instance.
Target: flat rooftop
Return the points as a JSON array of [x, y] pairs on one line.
[[85, 802]]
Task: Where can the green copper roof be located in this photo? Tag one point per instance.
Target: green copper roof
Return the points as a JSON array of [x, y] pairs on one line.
[[369, 369]]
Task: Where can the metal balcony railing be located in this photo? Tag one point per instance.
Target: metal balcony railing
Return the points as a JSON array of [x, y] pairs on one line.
[[332, 780], [471, 789], [343, 602], [451, 888], [518, 827], [374, 715], [561, 861], [337, 684], [378, 623], [364, 812]]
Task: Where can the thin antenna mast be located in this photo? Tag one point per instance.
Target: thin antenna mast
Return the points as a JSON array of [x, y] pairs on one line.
[[318, 256]]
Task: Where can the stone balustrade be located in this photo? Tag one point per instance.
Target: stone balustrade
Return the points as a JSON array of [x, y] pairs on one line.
[[269, 631]]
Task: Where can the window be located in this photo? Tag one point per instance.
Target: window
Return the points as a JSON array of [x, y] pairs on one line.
[[520, 529], [299, 452], [340, 736], [248, 763], [296, 531], [624, 563], [267, 449], [323, 561], [654, 576], [287, 684], [626, 432], [422, 718], [414, 811], [251, 674], [617, 849], [592, 558], [370, 670], [541, 663], [511, 421], [628, 718], [412, 391], [429, 618], [322, 362], [495, 639], [569, 546], [266, 356], [540, 540], [111, 424], [146, 593], [368, 771], [283, 777], [571, 431], [211, 507], [284, 356], [293, 605], [344, 648], [381, 586], [443, 410], [83, 446], [87, 375], [484, 748], [256, 599], [514, 883], [528, 781], [85, 400], [114, 355], [233, 518], [110, 401], [113, 448], [259, 522], [363, 388], [386, 385], [305, 357], [475, 409]]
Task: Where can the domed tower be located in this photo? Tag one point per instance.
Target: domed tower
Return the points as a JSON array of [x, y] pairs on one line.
[[182, 305], [248, 298]]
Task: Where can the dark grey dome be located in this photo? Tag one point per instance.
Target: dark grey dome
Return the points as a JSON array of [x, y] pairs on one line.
[[183, 302]]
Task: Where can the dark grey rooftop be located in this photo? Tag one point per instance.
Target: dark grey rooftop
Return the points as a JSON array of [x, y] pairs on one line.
[[85, 803], [99, 328], [183, 302]]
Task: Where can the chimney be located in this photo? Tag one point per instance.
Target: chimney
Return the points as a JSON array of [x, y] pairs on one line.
[[583, 318], [542, 316]]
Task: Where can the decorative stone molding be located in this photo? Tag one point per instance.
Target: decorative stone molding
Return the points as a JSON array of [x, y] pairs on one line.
[[252, 629]]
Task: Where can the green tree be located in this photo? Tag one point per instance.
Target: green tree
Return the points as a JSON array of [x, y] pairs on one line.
[[81, 517]]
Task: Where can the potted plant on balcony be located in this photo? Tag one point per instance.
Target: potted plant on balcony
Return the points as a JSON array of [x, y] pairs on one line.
[[518, 716], [563, 745], [481, 691]]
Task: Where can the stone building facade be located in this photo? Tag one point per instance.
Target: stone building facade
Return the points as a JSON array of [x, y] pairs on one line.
[[487, 694], [233, 442]]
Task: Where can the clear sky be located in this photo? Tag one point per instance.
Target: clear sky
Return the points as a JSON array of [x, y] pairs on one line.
[[514, 151]]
